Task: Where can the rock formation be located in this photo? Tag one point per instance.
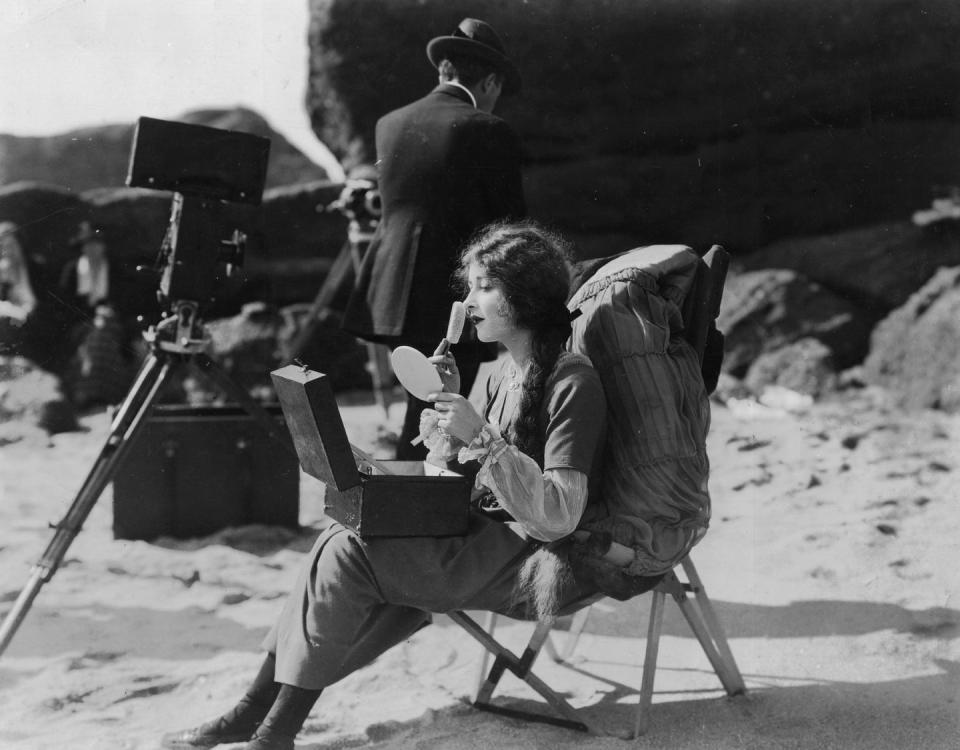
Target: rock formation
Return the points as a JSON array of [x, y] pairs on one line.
[[876, 267], [741, 122], [767, 310], [916, 350], [291, 247]]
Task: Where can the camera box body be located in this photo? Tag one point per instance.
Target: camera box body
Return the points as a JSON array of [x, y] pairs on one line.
[[383, 498], [193, 471]]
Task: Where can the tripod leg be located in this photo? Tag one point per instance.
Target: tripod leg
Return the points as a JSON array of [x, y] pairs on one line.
[[125, 425], [341, 274]]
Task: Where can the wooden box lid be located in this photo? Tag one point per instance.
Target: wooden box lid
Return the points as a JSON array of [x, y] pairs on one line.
[[316, 427]]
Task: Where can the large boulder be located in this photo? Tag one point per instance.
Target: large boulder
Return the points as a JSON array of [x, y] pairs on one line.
[[256, 341], [915, 351], [741, 122], [79, 159], [765, 311], [47, 216], [878, 266], [301, 240], [292, 242], [290, 235], [805, 366]]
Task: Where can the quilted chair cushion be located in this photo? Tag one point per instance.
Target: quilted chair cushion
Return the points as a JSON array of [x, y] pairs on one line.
[[656, 468]]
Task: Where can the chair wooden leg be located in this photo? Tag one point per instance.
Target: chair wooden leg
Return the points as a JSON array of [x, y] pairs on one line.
[[698, 626], [654, 629], [489, 625], [521, 666], [733, 683], [698, 612], [577, 624]]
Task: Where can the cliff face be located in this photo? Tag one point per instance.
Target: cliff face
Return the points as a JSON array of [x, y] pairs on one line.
[[691, 121], [98, 157]]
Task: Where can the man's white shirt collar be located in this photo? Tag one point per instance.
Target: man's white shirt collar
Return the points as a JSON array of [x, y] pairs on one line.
[[459, 85]]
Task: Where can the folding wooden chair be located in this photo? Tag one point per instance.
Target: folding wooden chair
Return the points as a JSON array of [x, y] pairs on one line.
[[701, 307]]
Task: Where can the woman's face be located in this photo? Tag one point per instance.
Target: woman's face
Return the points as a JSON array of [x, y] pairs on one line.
[[487, 307]]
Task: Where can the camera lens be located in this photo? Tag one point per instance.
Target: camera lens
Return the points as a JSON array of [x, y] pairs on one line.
[[372, 202]]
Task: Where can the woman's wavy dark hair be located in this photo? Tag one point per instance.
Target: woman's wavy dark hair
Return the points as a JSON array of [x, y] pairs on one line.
[[531, 265]]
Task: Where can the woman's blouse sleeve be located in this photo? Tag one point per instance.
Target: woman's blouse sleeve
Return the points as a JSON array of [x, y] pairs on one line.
[[548, 505]]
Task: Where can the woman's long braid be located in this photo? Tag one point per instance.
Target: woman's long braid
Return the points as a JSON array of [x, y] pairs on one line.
[[528, 432], [531, 266]]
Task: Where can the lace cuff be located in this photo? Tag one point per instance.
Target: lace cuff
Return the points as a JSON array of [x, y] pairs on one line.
[[486, 447]]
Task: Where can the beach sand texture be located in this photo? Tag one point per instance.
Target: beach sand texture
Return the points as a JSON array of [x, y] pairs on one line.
[[832, 562]]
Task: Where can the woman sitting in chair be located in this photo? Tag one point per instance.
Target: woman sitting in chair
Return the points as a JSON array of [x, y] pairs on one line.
[[538, 440]]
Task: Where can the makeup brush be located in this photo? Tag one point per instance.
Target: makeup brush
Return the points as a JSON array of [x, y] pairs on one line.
[[458, 316]]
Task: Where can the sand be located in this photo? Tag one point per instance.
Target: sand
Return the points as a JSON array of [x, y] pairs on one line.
[[831, 560]]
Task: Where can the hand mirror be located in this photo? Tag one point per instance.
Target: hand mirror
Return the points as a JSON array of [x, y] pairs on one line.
[[415, 372]]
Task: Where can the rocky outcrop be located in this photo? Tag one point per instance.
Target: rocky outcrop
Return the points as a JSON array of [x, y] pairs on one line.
[[98, 157], [765, 311], [47, 217], [290, 230], [741, 122], [291, 246], [301, 238], [254, 342], [805, 366], [878, 266], [915, 352]]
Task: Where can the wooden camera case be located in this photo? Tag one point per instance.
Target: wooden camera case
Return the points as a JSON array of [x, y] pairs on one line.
[[415, 498]]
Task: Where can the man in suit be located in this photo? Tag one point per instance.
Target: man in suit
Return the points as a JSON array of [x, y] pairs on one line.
[[447, 166]]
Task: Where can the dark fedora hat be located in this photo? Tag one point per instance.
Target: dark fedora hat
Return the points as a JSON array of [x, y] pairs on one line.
[[476, 39]]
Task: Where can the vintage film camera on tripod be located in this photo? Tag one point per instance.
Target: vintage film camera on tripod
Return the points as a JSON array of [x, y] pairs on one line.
[[207, 169], [359, 201]]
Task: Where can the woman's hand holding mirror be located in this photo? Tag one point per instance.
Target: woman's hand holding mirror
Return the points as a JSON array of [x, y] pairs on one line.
[[446, 365]]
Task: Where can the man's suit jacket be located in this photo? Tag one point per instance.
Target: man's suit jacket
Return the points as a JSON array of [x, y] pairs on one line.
[[445, 170]]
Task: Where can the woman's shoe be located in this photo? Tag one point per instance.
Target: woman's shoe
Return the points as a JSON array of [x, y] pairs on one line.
[[205, 736], [267, 738]]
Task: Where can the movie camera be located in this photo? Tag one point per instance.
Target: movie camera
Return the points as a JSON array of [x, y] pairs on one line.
[[208, 170], [359, 200], [213, 175]]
